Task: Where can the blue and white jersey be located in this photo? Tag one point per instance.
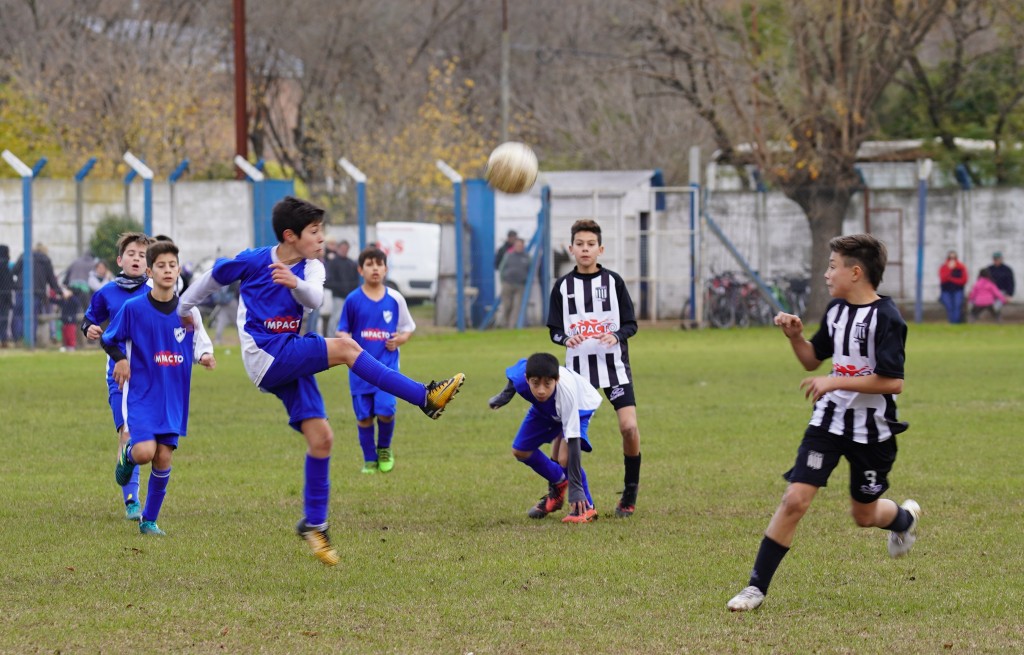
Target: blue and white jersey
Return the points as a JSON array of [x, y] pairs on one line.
[[160, 354], [268, 313], [371, 323], [860, 340], [573, 397], [104, 306]]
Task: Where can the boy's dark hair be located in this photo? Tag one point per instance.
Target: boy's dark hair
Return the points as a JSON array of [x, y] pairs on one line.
[[374, 253], [585, 225], [542, 365], [128, 238], [295, 215], [158, 248], [163, 237], [865, 250]]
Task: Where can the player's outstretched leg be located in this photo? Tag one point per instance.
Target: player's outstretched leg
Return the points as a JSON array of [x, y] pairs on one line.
[[439, 394], [900, 543]]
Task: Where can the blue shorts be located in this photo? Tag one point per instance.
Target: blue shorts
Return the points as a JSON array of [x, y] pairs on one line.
[[163, 439], [115, 399], [368, 405], [290, 378], [537, 430]]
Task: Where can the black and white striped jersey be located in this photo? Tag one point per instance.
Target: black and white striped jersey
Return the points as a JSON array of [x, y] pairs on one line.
[[592, 304], [860, 340]]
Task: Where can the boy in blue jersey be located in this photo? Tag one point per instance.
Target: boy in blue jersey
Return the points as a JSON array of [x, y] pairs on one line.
[[279, 285], [105, 303], [854, 409], [378, 319], [561, 404], [153, 357]]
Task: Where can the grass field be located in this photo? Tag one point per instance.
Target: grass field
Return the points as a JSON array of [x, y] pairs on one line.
[[439, 557]]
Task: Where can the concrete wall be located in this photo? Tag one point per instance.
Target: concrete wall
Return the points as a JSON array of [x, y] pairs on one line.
[[208, 218]]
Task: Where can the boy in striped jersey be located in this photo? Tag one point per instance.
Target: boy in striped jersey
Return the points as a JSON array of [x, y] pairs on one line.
[[591, 314], [854, 409]]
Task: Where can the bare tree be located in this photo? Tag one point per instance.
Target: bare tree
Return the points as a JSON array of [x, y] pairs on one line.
[[795, 86]]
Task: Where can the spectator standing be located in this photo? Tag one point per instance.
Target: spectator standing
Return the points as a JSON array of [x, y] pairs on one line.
[[43, 277], [515, 268], [504, 249], [6, 294], [76, 279], [342, 279], [952, 280], [1001, 274]]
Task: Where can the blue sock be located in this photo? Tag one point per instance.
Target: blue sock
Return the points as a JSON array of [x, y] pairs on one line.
[[586, 487], [385, 431], [545, 467], [366, 443], [155, 494], [131, 490], [317, 492], [370, 369]]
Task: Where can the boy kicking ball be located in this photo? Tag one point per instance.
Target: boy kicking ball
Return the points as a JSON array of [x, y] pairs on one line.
[[152, 357], [561, 404], [279, 285], [854, 412]]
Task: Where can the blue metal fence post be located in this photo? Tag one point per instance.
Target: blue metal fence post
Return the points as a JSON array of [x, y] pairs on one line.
[[924, 170], [545, 252], [146, 173], [27, 295], [360, 179], [460, 283], [79, 201]]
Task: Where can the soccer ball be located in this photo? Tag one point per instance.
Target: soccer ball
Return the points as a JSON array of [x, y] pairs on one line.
[[512, 167]]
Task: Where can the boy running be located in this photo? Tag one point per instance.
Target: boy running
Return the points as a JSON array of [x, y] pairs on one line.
[[591, 314], [854, 412], [105, 303], [279, 286], [377, 318], [153, 367], [561, 404]]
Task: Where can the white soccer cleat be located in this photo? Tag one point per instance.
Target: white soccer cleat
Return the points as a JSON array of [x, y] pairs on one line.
[[748, 599], [900, 543]]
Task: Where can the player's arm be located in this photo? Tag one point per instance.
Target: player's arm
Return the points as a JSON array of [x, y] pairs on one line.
[[556, 323], [503, 397], [627, 314], [405, 327], [95, 316], [113, 342], [202, 350], [196, 293], [568, 405], [793, 328], [308, 292], [816, 387]]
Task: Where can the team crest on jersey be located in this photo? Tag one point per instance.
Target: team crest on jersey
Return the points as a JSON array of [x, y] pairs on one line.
[[387, 315], [601, 293], [179, 334], [860, 332]]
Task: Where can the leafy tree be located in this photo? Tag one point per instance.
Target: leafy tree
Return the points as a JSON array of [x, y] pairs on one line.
[[103, 243], [795, 81]]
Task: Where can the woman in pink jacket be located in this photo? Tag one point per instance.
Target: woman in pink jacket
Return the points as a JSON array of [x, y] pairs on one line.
[[986, 296]]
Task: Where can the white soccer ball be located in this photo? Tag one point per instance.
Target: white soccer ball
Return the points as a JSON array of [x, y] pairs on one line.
[[512, 167]]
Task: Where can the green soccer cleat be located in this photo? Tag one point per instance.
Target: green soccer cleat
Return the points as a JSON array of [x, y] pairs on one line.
[[385, 460], [439, 394], [369, 468], [124, 469], [132, 511], [319, 543], [150, 527]]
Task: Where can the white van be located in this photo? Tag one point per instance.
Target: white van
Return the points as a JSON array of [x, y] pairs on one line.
[[414, 258]]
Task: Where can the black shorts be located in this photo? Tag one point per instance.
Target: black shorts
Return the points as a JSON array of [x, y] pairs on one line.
[[870, 463], [621, 395]]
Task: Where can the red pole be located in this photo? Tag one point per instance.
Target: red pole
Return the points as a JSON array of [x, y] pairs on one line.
[[241, 113]]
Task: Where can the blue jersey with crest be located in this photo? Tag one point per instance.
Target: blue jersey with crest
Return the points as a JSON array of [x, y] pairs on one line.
[[160, 353], [371, 323]]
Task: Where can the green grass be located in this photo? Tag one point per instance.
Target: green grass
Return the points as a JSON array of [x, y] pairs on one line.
[[439, 557]]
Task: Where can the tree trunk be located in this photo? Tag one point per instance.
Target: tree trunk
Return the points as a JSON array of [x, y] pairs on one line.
[[825, 209]]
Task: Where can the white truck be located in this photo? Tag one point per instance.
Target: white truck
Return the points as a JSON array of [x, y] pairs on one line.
[[414, 258]]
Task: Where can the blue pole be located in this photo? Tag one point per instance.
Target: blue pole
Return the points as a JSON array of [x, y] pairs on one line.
[[545, 250], [922, 197], [147, 205], [694, 196], [28, 302], [460, 273], [361, 211], [79, 194]]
